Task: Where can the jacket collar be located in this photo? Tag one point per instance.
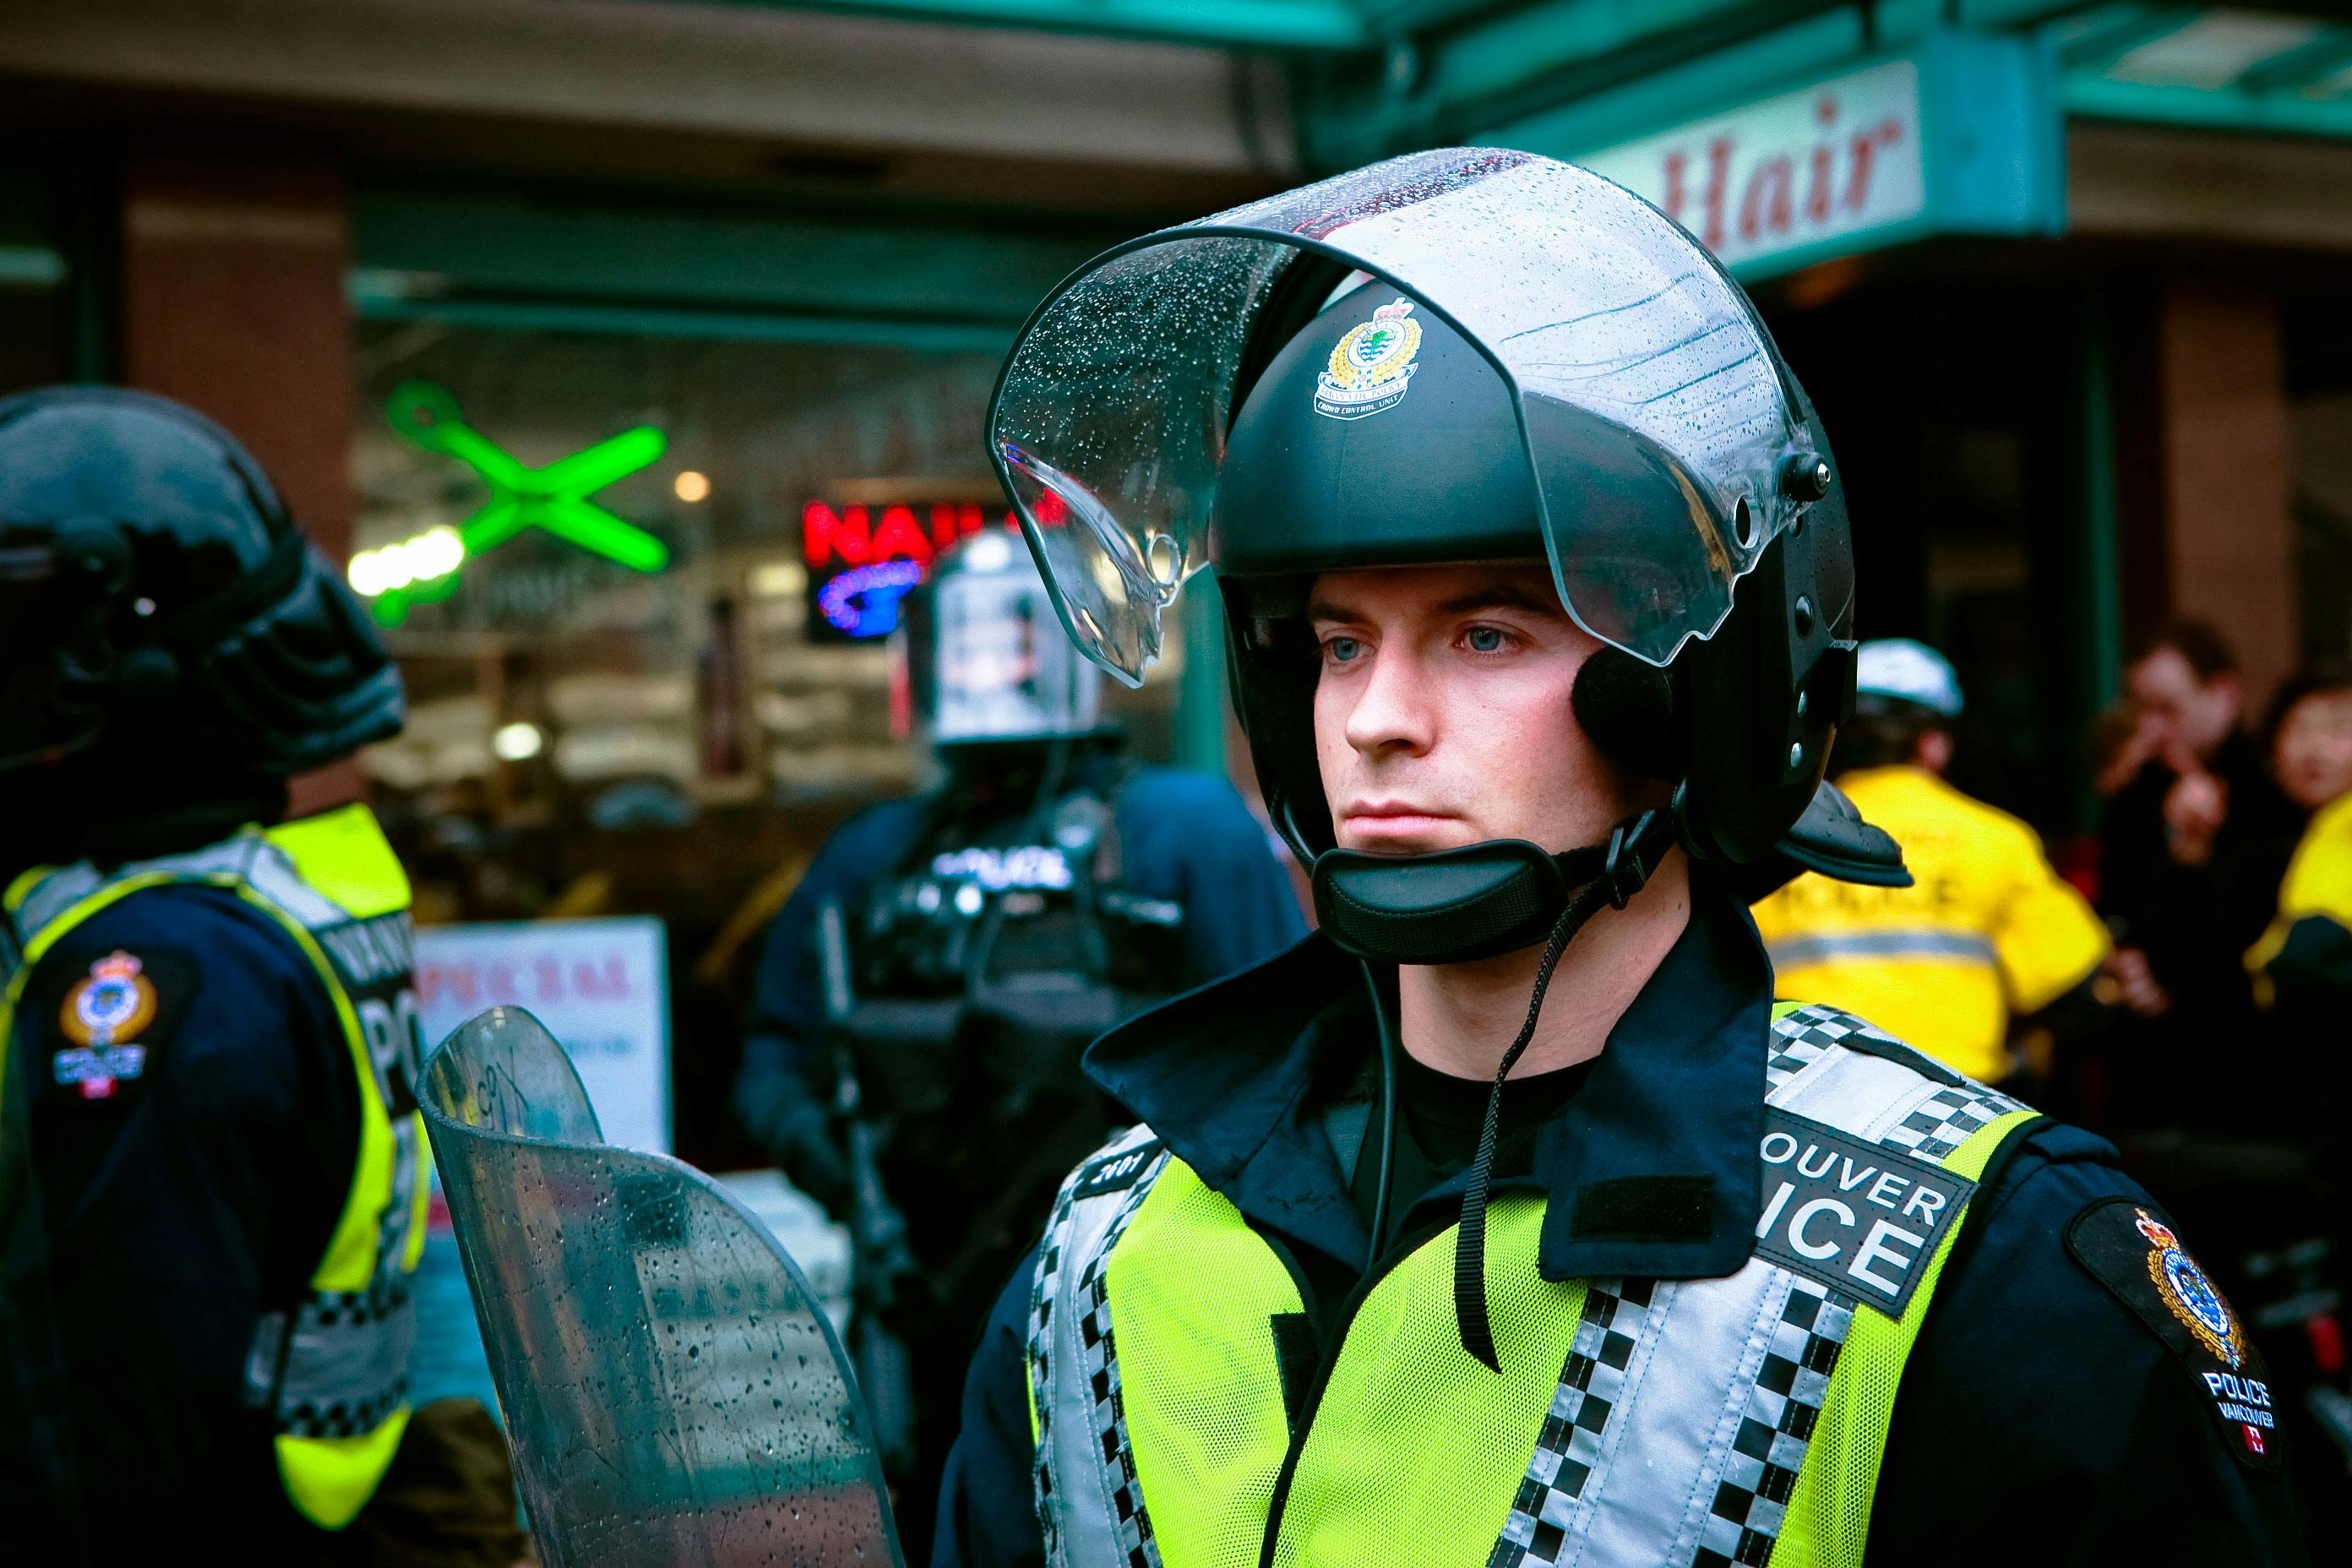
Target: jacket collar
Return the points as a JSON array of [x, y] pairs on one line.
[[1650, 1170]]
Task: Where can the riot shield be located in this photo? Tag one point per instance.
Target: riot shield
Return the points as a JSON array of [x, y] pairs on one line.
[[673, 1391]]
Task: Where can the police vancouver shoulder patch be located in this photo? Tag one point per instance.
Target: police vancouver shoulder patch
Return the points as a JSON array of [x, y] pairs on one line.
[[110, 1013], [102, 1014], [2127, 1246]]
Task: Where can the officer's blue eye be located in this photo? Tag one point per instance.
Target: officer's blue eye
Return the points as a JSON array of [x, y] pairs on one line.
[[1342, 650], [1484, 639]]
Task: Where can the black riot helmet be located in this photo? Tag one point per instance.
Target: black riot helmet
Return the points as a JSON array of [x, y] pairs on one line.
[[157, 602], [1464, 354]]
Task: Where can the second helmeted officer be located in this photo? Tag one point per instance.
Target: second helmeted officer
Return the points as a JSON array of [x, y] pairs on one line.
[[985, 932], [212, 1175]]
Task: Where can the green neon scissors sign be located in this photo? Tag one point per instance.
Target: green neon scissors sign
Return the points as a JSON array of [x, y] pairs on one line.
[[553, 497]]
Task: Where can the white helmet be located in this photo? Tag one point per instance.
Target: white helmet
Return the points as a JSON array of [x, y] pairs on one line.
[[984, 654], [1907, 671]]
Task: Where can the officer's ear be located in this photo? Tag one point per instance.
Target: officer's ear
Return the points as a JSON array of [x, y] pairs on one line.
[[1631, 712]]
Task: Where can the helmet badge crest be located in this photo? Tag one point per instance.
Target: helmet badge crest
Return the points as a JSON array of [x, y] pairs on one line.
[[1371, 365]]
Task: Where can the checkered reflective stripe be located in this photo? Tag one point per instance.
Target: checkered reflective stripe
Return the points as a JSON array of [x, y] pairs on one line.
[[1717, 1385], [1804, 1037], [1947, 1118], [1042, 1288], [340, 1419], [1683, 1410], [339, 1370], [1090, 1298], [1110, 1404], [1744, 1518], [1590, 1385]]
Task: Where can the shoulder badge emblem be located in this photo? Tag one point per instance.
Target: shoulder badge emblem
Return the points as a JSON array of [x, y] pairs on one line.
[[2192, 1297], [102, 1013], [2123, 1246], [111, 1003], [1372, 366]]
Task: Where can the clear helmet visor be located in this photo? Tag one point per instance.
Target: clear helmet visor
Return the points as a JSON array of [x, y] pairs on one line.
[[1110, 419]]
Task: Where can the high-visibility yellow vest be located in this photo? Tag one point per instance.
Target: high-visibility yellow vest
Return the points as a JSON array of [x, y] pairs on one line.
[[331, 1369], [2318, 885], [1694, 1421], [1986, 931]]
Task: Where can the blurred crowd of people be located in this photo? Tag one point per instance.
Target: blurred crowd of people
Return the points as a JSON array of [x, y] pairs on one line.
[[2204, 814], [2203, 937]]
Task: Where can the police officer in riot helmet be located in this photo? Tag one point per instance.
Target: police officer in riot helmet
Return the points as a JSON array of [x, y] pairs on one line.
[[988, 929], [211, 1173], [1509, 1219]]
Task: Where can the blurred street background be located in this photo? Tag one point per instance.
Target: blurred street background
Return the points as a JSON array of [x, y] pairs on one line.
[[2067, 281]]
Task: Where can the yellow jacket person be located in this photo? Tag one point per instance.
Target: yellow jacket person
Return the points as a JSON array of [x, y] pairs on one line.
[[1987, 934]]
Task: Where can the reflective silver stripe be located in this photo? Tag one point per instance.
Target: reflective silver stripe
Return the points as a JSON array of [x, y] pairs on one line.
[[1089, 1504], [1827, 947], [249, 858], [341, 1367]]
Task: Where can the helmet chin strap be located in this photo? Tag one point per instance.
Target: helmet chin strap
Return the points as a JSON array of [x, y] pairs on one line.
[[1478, 901]]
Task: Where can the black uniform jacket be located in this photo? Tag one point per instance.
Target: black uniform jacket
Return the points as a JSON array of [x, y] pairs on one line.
[[2042, 1418], [172, 1209]]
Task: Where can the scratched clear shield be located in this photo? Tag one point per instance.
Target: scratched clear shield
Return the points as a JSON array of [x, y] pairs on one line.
[[672, 1389], [1110, 418]]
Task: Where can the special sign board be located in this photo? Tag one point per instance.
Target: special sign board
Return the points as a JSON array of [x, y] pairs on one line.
[[862, 559], [1963, 135], [601, 986]]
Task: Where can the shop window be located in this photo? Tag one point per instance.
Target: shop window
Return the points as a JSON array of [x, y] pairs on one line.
[[34, 302], [569, 705]]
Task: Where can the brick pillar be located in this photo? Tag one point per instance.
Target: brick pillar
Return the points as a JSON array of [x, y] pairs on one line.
[[2227, 479], [232, 302]]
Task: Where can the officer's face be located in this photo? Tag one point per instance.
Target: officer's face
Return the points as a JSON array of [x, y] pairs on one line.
[[1442, 716]]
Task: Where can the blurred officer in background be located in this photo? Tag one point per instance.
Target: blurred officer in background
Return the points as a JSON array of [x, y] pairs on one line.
[[1986, 936], [211, 1179], [990, 928]]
